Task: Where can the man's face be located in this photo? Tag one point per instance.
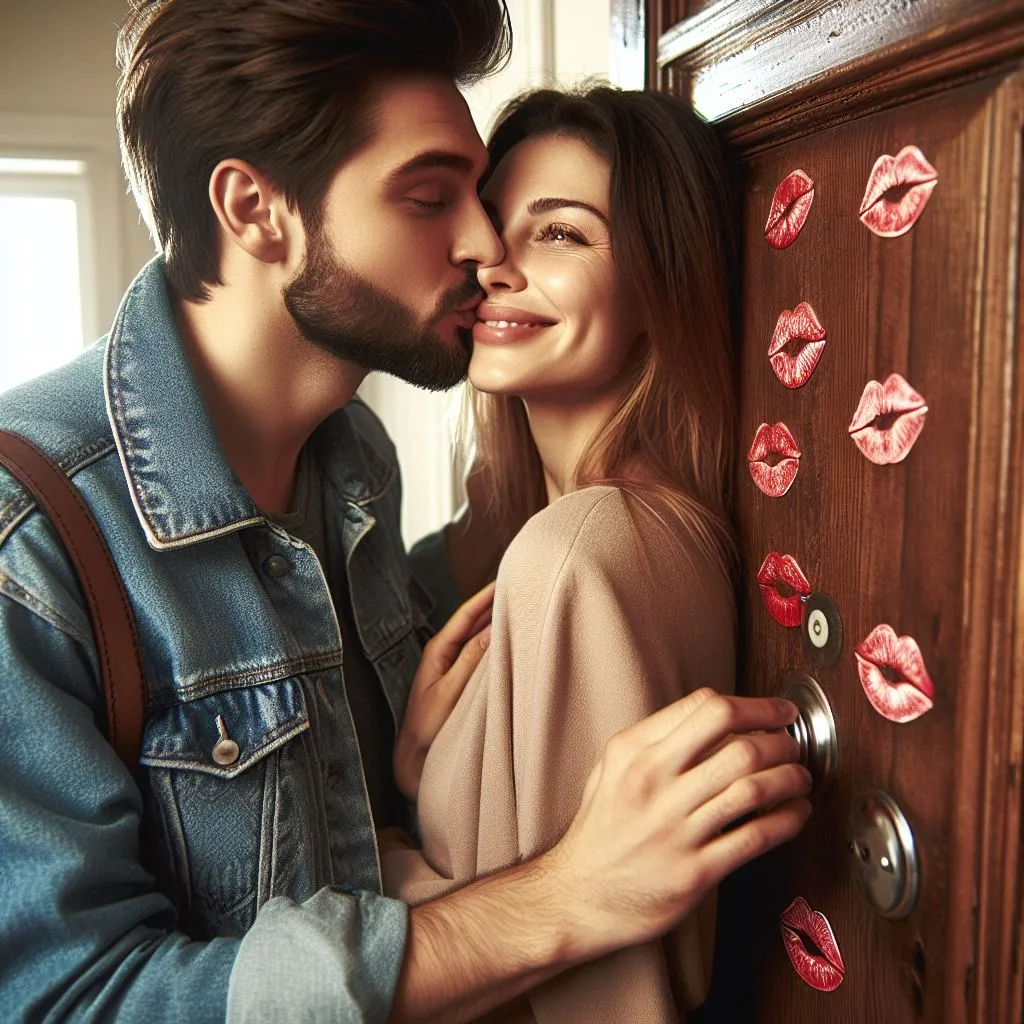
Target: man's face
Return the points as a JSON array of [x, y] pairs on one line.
[[389, 280]]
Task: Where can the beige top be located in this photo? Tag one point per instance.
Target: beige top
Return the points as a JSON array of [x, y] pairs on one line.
[[599, 620]]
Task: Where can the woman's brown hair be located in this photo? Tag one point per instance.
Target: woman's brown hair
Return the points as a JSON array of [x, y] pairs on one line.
[[285, 84], [671, 213]]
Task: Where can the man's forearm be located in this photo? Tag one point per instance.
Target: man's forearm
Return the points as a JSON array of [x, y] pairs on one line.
[[486, 944]]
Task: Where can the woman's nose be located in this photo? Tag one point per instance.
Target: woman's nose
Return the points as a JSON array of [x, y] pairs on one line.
[[503, 276]]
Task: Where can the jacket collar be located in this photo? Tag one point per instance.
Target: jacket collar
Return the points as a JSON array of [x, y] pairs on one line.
[[181, 485]]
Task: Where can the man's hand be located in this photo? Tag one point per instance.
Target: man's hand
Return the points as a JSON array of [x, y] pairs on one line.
[[652, 834], [448, 661], [648, 842]]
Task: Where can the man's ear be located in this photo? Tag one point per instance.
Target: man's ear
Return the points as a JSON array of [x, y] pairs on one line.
[[252, 212]]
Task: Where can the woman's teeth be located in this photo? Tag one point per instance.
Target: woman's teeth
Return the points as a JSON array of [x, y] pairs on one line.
[[508, 323]]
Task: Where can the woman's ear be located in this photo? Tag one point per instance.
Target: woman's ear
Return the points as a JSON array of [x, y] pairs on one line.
[[253, 213]]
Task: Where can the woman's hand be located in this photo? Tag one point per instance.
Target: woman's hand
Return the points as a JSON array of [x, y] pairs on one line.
[[448, 661]]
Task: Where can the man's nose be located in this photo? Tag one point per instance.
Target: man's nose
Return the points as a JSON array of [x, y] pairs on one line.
[[477, 243]]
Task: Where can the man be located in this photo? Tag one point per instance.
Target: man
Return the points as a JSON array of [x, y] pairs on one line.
[[308, 170]]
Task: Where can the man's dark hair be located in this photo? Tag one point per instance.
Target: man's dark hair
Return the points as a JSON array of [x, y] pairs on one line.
[[286, 85]]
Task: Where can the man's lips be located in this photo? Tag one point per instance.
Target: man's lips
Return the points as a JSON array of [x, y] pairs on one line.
[[897, 192], [790, 206], [777, 569], [773, 440], [797, 325], [811, 946], [888, 420], [912, 694]]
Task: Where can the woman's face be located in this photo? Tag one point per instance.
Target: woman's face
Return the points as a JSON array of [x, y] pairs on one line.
[[555, 323]]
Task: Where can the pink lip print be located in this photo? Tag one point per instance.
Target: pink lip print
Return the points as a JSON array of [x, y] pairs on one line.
[[799, 325], [773, 441], [783, 569], [790, 206], [811, 946], [897, 192], [888, 420], [912, 692]]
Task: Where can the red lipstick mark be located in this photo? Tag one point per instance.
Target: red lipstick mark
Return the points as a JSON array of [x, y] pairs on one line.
[[784, 609], [898, 190], [801, 327], [777, 443], [790, 206], [811, 946], [906, 692], [888, 420]]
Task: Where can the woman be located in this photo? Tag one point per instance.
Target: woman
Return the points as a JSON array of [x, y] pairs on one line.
[[602, 404]]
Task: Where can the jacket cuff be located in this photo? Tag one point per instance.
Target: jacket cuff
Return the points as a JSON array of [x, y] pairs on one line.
[[333, 959]]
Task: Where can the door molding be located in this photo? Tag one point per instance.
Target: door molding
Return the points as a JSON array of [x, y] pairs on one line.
[[807, 64]]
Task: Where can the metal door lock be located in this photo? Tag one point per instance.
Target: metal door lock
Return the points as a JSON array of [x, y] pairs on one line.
[[884, 855], [814, 730]]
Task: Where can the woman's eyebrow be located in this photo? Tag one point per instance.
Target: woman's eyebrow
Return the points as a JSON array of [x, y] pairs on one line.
[[551, 203]]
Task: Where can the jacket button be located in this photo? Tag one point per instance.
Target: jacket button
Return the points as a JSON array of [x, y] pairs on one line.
[[225, 752], [276, 566]]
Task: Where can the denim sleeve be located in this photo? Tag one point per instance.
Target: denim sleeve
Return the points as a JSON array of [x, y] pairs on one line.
[[333, 959], [429, 563], [84, 936]]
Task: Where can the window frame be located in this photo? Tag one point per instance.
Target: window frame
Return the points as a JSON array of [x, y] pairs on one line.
[[93, 142]]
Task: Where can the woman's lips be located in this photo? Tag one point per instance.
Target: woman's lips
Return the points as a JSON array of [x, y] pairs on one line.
[[800, 324], [913, 693], [776, 568], [817, 961], [888, 420], [898, 191], [492, 333], [768, 441], [790, 206]]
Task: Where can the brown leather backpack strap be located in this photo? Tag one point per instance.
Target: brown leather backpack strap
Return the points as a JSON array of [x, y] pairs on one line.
[[117, 643]]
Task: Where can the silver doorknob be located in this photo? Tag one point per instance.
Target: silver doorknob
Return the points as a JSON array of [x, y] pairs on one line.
[[814, 729]]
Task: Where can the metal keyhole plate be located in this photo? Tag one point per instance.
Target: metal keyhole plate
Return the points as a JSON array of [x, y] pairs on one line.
[[814, 730], [822, 630], [884, 855]]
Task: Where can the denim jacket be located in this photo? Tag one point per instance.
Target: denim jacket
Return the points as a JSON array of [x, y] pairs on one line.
[[254, 891]]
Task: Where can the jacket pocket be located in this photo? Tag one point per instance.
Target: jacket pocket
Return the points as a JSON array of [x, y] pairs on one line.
[[221, 769]]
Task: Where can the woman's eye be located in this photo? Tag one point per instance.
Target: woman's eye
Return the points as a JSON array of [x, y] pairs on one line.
[[562, 234]]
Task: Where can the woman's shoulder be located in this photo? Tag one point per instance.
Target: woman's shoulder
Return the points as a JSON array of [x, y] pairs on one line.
[[575, 522], [604, 529]]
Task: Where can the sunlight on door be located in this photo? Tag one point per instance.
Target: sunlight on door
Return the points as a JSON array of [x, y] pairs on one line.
[[41, 320]]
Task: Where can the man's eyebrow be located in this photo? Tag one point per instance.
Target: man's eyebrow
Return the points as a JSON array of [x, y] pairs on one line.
[[431, 159], [549, 204]]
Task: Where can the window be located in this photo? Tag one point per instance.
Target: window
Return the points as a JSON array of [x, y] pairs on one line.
[[47, 297]]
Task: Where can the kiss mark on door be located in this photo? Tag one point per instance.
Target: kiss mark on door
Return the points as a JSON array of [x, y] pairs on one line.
[[783, 585], [893, 675], [811, 946], [888, 420], [774, 459], [790, 206], [797, 344], [898, 190]]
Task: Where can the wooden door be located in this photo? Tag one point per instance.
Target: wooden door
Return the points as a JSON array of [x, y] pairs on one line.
[[926, 539]]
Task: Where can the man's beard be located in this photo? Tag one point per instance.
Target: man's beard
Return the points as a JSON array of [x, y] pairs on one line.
[[355, 320]]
